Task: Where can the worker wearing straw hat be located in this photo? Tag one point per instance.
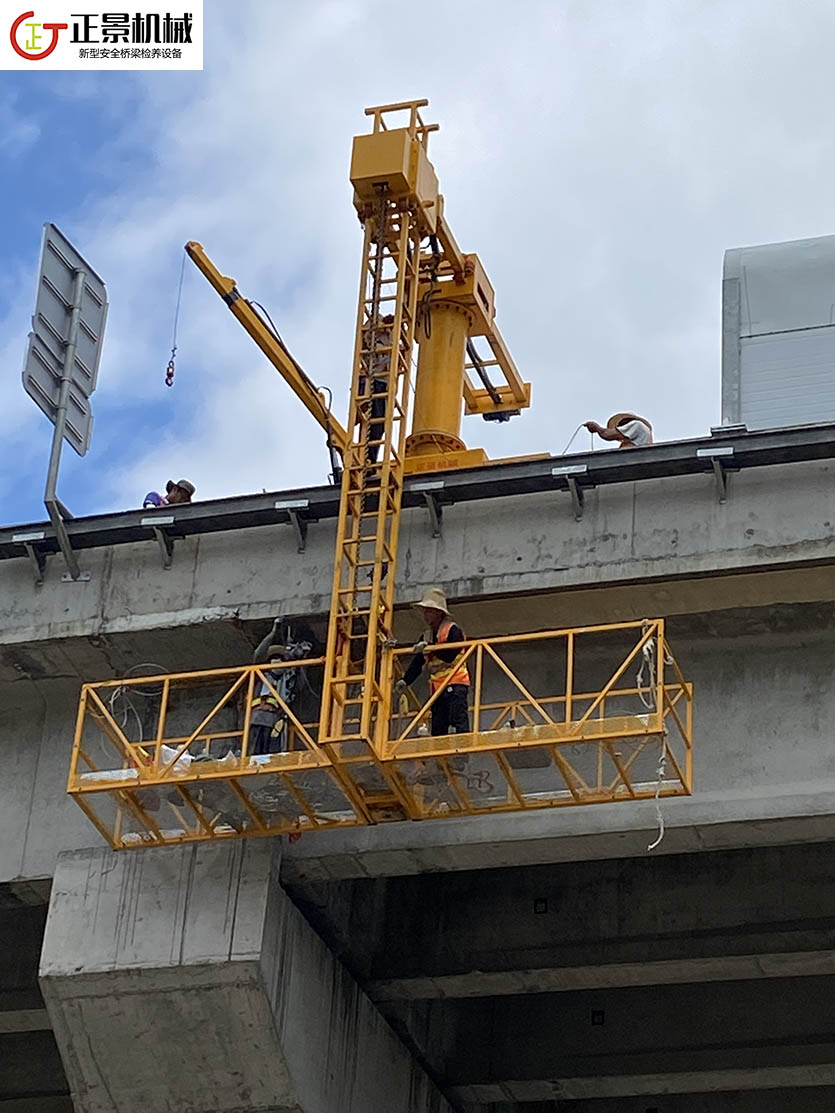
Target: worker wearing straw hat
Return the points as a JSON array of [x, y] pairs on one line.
[[446, 675], [268, 717], [628, 429]]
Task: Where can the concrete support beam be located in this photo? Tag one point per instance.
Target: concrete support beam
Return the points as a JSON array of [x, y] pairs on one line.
[[24, 1020], [30, 1068], [587, 925], [705, 821], [636, 1042], [651, 1085], [39, 1104], [21, 933], [186, 979], [613, 975], [811, 1099]]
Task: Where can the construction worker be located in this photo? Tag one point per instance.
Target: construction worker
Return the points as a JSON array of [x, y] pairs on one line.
[[267, 713], [450, 710], [178, 492], [181, 491], [629, 430]]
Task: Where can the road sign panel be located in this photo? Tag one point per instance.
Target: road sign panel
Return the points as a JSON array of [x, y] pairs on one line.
[[42, 374], [44, 369]]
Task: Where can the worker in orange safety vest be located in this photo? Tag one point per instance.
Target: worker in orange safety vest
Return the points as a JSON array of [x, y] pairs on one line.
[[450, 710]]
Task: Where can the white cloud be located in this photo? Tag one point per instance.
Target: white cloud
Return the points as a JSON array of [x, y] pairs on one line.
[[18, 131], [599, 158]]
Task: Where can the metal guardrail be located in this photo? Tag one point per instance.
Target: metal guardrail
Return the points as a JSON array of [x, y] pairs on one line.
[[557, 720]]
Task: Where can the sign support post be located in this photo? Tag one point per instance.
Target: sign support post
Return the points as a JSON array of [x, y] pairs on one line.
[[54, 507], [60, 372]]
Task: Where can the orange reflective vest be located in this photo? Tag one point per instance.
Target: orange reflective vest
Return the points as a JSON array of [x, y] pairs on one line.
[[443, 673]]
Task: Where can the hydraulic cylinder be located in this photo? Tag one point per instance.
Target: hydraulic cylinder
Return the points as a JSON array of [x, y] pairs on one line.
[[439, 383]]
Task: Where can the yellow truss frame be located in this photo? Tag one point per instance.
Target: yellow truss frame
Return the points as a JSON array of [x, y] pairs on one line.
[[527, 751]]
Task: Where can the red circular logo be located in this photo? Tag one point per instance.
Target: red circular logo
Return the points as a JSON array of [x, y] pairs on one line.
[[36, 55]]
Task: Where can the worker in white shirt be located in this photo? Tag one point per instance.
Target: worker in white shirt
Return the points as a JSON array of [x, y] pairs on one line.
[[629, 430]]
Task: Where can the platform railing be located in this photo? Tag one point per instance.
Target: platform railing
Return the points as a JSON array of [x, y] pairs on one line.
[[558, 718], [603, 744]]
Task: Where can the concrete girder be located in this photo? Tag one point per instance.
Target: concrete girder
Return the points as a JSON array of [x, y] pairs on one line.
[[612, 975], [30, 1066], [587, 925], [620, 1043], [24, 1020], [814, 1099], [41, 1103], [706, 821], [653, 1086], [30, 1071]]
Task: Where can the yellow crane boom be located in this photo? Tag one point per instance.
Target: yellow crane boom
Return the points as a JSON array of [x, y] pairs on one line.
[[271, 345]]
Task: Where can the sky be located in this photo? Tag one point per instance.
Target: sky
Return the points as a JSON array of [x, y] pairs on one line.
[[599, 156]]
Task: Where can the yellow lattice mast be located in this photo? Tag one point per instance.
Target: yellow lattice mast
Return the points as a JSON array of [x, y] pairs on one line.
[[396, 195]]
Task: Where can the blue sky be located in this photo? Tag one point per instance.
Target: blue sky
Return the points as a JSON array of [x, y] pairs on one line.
[[599, 156], [76, 142]]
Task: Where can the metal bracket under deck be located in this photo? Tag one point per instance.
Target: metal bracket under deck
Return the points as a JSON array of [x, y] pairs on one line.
[[717, 456], [291, 508], [570, 473], [157, 524], [37, 558], [430, 491]]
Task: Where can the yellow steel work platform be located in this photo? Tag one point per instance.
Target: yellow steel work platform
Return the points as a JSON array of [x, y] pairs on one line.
[[560, 718]]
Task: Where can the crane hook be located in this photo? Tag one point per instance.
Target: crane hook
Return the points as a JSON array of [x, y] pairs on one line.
[[169, 371]]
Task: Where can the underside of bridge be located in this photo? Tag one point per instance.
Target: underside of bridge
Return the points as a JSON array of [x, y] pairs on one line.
[[678, 983], [683, 983]]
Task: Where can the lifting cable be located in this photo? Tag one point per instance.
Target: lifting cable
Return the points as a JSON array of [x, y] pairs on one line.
[[169, 371], [333, 452], [423, 314], [121, 704]]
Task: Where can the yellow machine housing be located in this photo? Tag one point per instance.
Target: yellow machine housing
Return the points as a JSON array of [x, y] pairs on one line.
[[397, 162]]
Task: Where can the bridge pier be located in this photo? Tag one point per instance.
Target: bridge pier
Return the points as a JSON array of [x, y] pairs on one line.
[[185, 978]]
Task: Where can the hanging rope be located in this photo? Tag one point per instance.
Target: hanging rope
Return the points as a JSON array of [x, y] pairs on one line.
[[574, 434], [121, 701], [169, 371], [660, 773], [645, 683], [646, 691]]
